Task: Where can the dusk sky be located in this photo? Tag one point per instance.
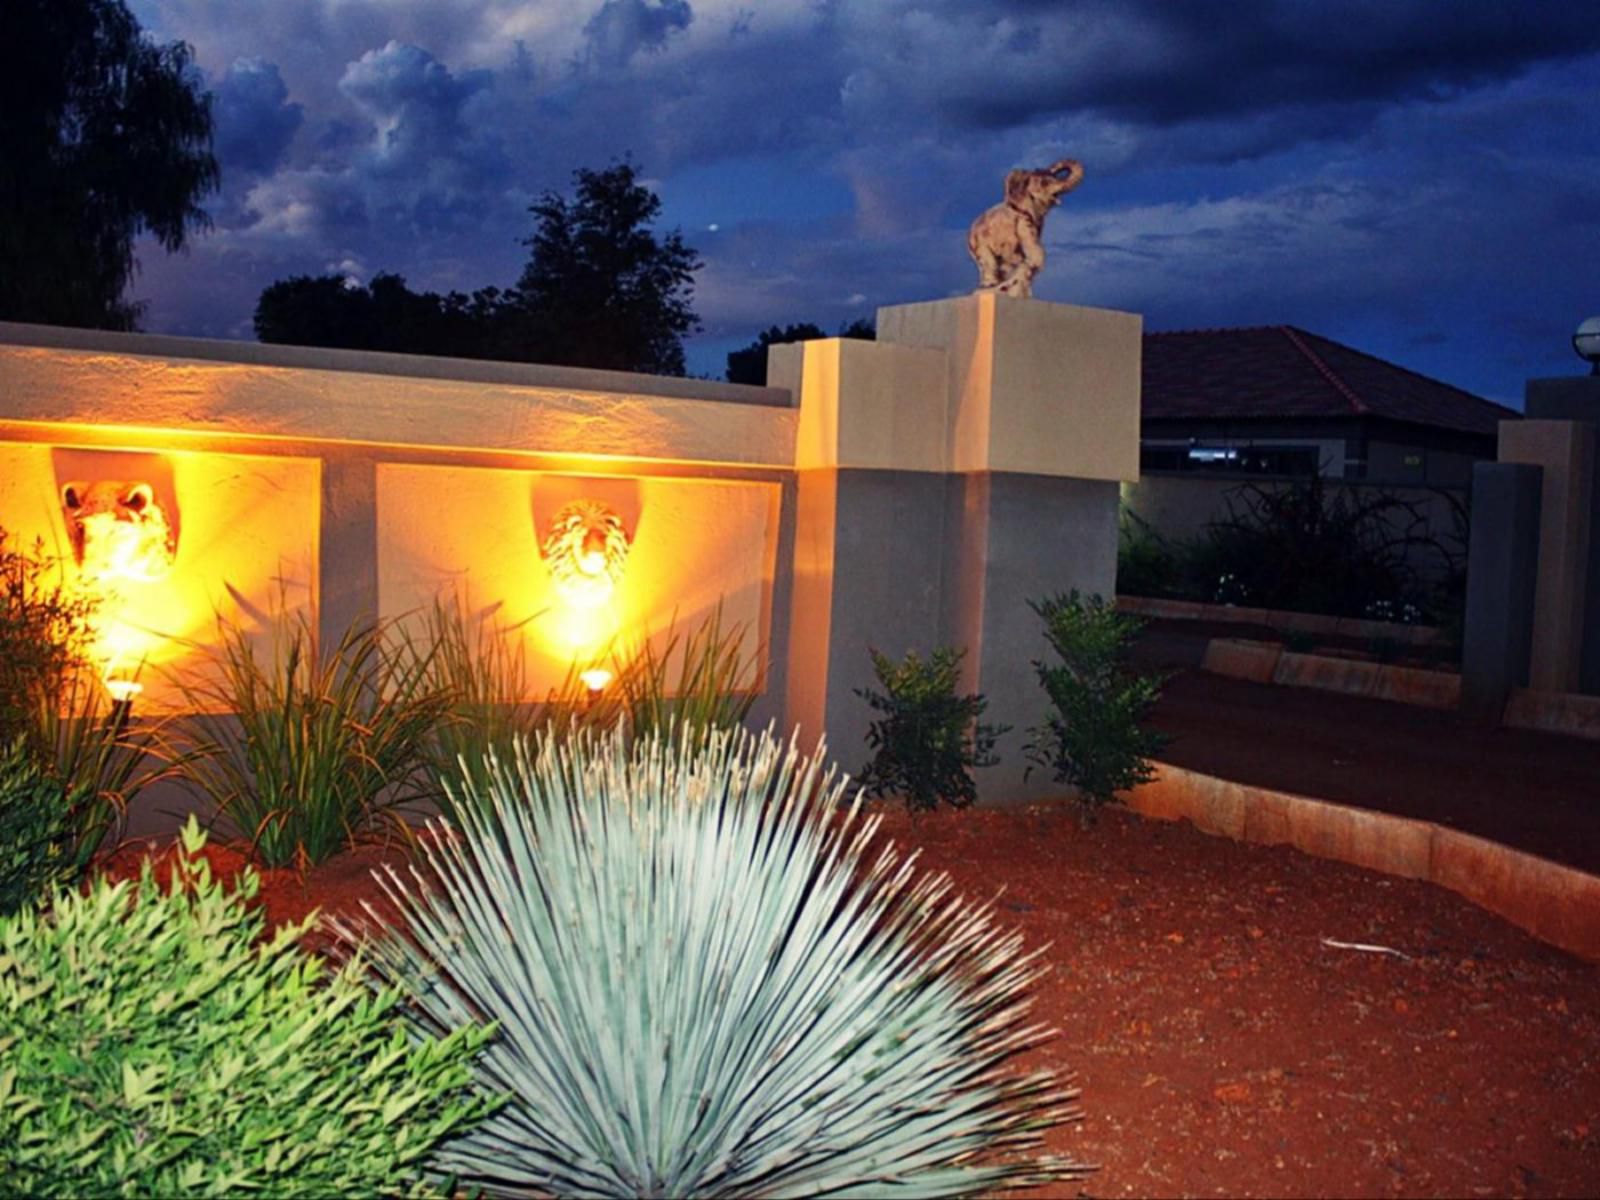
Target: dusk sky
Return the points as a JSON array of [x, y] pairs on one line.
[[1419, 180]]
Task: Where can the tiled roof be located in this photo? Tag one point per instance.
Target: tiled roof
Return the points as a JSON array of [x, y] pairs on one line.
[[1278, 371]]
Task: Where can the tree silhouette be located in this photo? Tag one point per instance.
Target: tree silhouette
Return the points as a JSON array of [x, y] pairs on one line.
[[329, 310], [600, 289], [104, 135], [749, 363]]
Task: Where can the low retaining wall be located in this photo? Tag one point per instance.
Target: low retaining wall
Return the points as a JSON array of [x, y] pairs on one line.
[[1275, 618], [1269, 662], [1555, 903], [1554, 712]]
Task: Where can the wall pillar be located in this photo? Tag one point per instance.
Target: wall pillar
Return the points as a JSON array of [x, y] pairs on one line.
[[967, 462], [1577, 398], [348, 545], [1565, 450], [1502, 558]]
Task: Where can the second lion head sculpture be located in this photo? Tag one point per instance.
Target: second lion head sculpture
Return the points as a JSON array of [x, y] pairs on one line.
[[1005, 241]]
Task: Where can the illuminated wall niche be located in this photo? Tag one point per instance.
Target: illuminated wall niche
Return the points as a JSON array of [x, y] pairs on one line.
[[242, 531], [514, 543]]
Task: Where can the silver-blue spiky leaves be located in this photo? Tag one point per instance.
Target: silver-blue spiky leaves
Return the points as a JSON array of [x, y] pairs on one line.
[[704, 987]]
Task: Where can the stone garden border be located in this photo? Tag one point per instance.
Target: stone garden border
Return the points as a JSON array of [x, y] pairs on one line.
[[1555, 903]]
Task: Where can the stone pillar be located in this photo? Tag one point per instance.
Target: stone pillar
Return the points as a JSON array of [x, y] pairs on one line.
[[967, 462], [1565, 450], [868, 538], [1577, 398], [1502, 558], [1042, 427]]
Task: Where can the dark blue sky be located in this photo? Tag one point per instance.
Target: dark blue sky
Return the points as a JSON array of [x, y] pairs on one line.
[[1420, 180]]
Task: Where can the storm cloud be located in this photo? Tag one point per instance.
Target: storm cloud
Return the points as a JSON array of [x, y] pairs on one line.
[[1419, 180]]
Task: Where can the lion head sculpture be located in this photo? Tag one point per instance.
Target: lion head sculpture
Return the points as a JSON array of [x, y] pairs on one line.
[[586, 549], [1005, 240], [118, 531]]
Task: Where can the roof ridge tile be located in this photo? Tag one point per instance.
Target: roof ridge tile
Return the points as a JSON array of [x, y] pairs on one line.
[[1297, 339]]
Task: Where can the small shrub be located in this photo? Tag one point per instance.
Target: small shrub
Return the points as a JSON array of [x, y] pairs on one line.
[[306, 752], [35, 831], [707, 987], [155, 1049], [1092, 738], [929, 740]]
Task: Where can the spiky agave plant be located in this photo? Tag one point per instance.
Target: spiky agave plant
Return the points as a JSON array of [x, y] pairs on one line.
[[705, 986]]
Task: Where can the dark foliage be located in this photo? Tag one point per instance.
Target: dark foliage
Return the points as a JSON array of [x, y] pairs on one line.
[[749, 364], [928, 739], [310, 310], [599, 290], [104, 136], [36, 833], [1093, 739], [1304, 547]]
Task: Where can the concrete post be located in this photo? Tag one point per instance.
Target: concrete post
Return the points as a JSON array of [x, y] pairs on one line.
[[1502, 558], [1577, 398], [965, 463], [1566, 452]]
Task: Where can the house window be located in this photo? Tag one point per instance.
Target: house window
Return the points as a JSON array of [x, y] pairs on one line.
[[1231, 460]]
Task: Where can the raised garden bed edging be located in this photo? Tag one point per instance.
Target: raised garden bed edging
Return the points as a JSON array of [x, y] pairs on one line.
[[1557, 904], [1293, 622], [1269, 662]]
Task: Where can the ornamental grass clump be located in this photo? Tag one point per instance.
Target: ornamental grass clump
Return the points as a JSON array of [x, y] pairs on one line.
[[151, 1044], [305, 749], [708, 983]]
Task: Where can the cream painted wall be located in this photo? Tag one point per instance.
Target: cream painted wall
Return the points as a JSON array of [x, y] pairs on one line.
[[248, 529], [694, 543]]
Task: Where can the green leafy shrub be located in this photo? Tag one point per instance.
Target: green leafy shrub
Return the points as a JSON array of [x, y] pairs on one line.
[[307, 751], [35, 830], [705, 986], [155, 1049], [1092, 738], [928, 740]]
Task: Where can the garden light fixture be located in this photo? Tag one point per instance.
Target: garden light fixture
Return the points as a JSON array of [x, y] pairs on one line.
[[1586, 341]]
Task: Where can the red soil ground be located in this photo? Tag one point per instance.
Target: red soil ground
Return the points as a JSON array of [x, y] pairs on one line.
[[1223, 1047]]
